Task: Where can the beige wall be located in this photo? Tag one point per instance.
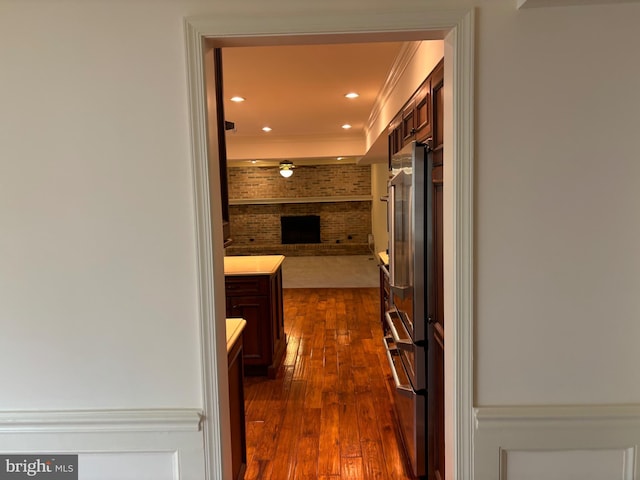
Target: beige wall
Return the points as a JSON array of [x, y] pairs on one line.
[[379, 177]]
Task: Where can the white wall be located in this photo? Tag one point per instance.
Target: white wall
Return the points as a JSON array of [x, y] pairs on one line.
[[97, 254], [557, 206], [558, 269]]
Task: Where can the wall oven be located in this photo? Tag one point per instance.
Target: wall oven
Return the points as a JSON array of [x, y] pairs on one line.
[[410, 247]]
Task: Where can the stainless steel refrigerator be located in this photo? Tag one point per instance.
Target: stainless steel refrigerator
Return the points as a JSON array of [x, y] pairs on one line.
[[410, 260]]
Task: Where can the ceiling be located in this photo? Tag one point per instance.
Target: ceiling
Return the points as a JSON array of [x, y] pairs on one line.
[[298, 91]]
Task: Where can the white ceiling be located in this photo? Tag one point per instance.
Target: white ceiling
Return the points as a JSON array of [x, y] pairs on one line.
[[298, 91]]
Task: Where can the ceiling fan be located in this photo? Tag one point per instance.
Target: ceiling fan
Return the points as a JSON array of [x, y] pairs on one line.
[[286, 167]]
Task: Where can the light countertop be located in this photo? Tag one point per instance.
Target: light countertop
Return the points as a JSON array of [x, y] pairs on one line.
[[252, 264], [235, 326]]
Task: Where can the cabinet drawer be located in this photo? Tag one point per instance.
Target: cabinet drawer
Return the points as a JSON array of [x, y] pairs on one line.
[[238, 285]]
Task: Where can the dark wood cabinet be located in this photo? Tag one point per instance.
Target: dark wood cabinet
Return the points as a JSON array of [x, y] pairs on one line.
[[435, 330], [408, 122], [216, 164], [385, 296], [236, 410], [417, 118], [395, 136], [422, 109], [437, 91], [222, 145], [258, 299]]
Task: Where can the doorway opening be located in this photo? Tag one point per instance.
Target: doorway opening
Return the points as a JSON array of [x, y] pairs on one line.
[[457, 29]]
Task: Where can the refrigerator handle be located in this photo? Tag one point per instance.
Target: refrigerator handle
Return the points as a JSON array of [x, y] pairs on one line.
[[391, 203], [404, 389], [406, 338]]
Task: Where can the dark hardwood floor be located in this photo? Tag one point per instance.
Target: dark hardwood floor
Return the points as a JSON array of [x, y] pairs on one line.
[[328, 414]]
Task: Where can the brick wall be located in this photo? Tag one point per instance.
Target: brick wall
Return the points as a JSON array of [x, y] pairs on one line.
[[344, 225], [310, 181]]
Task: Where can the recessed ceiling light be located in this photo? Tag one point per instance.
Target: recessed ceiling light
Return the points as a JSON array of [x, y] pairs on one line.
[[340, 158], [351, 95], [266, 129], [346, 126], [237, 99], [254, 161]]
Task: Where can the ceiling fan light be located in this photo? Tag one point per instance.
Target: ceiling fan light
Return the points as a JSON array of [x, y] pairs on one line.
[[286, 168]]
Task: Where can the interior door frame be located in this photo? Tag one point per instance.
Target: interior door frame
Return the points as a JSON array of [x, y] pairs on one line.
[[265, 24]]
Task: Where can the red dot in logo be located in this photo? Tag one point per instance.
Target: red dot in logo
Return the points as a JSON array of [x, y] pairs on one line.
[[48, 462]]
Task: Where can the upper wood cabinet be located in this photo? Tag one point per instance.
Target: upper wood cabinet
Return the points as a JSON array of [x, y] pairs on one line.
[[437, 91], [417, 118], [409, 121], [395, 136], [422, 111], [222, 145]]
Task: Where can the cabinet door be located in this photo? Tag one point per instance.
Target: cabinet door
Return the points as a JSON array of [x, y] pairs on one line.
[[423, 112], [236, 411], [395, 136], [385, 294], [257, 334], [222, 146], [437, 92], [277, 310], [408, 122]]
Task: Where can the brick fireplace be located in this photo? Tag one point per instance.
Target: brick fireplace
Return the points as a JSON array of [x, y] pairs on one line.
[[340, 195]]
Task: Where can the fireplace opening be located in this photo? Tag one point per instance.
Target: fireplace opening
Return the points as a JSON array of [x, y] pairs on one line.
[[300, 229]]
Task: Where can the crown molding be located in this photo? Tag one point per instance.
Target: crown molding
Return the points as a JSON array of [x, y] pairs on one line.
[[400, 65]]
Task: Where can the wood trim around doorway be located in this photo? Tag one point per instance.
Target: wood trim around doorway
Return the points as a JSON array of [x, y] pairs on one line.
[[302, 24]]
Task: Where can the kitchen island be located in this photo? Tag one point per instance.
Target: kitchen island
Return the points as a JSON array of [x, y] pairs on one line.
[[253, 286]]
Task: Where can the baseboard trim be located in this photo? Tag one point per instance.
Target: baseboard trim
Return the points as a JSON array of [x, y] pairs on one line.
[[82, 421]]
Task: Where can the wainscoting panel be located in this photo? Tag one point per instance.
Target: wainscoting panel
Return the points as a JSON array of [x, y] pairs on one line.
[[565, 464], [142, 465], [556, 442], [114, 444]]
